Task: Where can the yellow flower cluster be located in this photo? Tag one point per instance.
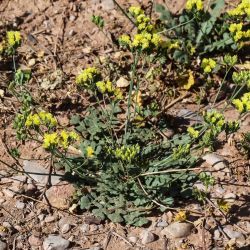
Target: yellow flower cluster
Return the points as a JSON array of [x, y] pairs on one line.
[[196, 4], [42, 118], [214, 118], [236, 30], [90, 152], [13, 38], [63, 139], [142, 21], [242, 104], [193, 133], [127, 153], [208, 64], [108, 87], [242, 9], [242, 77], [223, 205], [141, 41], [87, 76], [181, 216]]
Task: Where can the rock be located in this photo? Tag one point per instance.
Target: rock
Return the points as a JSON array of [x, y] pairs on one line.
[[55, 242], [133, 239], [39, 174], [18, 179], [31, 62], [72, 32], [20, 205], [2, 200], [122, 83], [31, 187], [41, 217], [230, 197], [215, 160], [49, 219], [95, 248], [3, 245], [65, 228], [72, 18], [6, 224], [35, 241], [193, 117], [177, 230], [233, 234], [200, 186], [147, 237], [93, 228], [216, 234], [108, 4], [84, 228], [60, 195], [162, 224], [219, 190], [8, 193]]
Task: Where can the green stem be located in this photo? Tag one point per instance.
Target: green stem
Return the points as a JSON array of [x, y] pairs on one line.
[[222, 83]]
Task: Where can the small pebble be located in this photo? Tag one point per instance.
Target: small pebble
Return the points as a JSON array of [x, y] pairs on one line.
[[65, 228], [32, 62], [49, 219], [84, 228], [93, 228], [35, 241], [162, 224], [72, 33], [20, 205], [216, 234], [72, 18], [147, 237], [133, 239], [230, 197]]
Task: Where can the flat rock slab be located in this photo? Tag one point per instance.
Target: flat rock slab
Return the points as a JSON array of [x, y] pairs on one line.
[[60, 195], [39, 173], [177, 230], [55, 242]]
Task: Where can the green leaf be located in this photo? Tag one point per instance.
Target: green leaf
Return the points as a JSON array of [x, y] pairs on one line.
[[85, 203], [115, 217], [165, 14], [75, 119]]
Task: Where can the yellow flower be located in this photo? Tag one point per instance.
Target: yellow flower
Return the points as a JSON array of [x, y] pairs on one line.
[[101, 86], [243, 104], [197, 4], [156, 40], [50, 140], [87, 76], [109, 87], [181, 216], [193, 133], [90, 152], [190, 82], [118, 94], [208, 64], [242, 9], [125, 40], [135, 11], [223, 205], [13, 38]]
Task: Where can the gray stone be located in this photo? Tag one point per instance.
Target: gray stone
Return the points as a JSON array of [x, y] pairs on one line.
[[233, 234], [230, 197], [39, 174], [133, 239], [84, 228], [177, 230], [162, 224], [93, 228], [216, 234], [7, 225], [49, 219], [72, 18], [216, 161], [20, 205], [147, 237], [72, 32], [41, 217], [108, 4], [3, 245], [193, 117], [35, 241], [55, 242], [219, 190], [95, 248], [65, 228]]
